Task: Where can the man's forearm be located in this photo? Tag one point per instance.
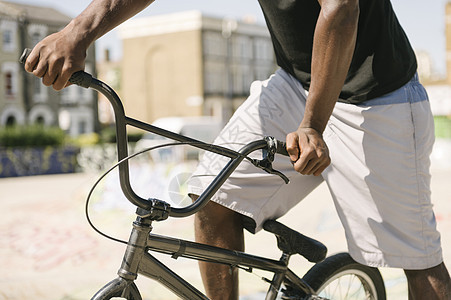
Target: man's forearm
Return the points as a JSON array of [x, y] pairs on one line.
[[59, 55], [333, 48], [101, 16]]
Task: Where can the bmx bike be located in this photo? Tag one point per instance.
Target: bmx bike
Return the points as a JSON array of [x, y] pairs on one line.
[[335, 277]]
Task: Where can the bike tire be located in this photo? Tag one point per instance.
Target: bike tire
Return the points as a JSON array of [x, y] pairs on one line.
[[341, 270]]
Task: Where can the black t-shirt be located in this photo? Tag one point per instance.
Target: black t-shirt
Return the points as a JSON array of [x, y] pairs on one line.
[[383, 59]]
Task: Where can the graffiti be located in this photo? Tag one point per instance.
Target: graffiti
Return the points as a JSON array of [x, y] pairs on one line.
[[97, 158], [442, 218], [48, 246], [37, 161]]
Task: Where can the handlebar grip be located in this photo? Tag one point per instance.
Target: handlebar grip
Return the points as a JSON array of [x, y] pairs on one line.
[[281, 148], [80, 78], [24, 56]]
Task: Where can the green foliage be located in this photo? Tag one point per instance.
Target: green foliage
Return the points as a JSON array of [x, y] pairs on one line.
[[442, 126], [87, 139], [31, 136], [108, 135], [133, 137]]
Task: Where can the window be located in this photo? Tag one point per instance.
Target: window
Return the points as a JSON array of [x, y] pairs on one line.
[[35, 38], [9, 32], [9, 84], [242, 47], [8, 79], [263, 49], [82, 126], [215, 77], [39, 90], [214, 44], [8, 40], [36, 32], [7, 37], [241, 79]]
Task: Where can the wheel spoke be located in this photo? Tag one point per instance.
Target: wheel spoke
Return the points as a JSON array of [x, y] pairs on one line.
[[348, 286], [339, 277]]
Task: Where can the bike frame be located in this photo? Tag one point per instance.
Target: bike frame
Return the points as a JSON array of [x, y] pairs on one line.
[[137, 260]]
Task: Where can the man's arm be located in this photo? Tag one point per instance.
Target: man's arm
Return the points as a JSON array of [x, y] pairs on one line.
[[333, 48], [61, 54]]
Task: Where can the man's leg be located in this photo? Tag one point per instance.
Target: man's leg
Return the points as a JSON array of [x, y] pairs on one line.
[[219, 226], [273, 108], [431, 284]]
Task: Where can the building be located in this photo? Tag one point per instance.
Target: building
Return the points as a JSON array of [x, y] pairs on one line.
[[24, 100], [189, 64]]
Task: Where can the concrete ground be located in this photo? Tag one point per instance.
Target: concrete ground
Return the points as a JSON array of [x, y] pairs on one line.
[[48, 251]]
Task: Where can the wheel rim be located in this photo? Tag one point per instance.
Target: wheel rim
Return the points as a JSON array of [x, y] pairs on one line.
[[348, 284]]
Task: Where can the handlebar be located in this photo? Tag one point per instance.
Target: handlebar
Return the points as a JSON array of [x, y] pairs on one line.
[[269, 144]]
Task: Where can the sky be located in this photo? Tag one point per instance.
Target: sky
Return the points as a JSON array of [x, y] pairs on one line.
[[423, 20]]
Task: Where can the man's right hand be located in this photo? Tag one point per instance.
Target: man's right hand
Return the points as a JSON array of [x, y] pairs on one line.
[[56, 58], [308, 151], [60, 55]]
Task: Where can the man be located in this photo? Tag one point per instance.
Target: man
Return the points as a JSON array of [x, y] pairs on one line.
[[372, 146]]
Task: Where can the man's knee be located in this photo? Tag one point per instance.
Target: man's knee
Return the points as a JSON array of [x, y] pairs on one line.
[[214, 213], [219, 226]]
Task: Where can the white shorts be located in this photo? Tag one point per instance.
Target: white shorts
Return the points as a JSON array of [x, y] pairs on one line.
[[379, 175]]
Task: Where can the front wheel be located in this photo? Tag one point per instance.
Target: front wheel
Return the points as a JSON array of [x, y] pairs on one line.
[[118, 289], [340, 277]]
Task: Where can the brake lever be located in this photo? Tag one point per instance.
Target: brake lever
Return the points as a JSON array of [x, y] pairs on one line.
[[268, 157], [278, 173], [266, 165]]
